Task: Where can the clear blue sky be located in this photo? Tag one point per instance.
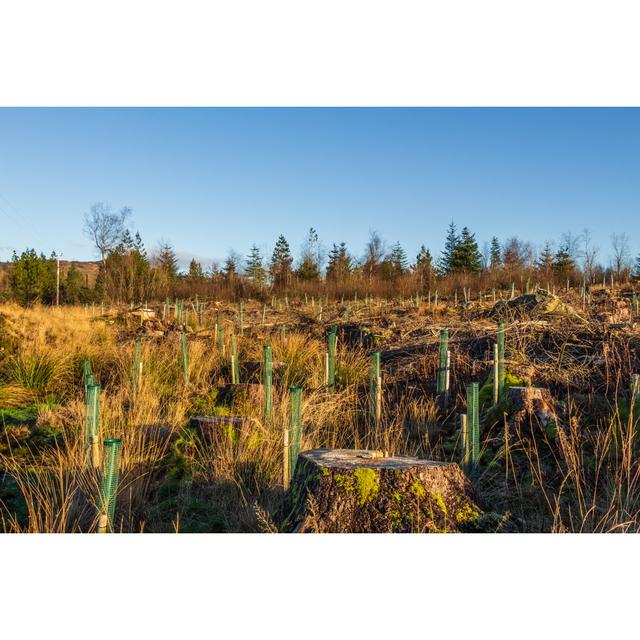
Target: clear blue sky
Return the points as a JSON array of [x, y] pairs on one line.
[[209, 180]]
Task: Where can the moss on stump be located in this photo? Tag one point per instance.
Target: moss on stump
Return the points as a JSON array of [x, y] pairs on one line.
[[357, 491]]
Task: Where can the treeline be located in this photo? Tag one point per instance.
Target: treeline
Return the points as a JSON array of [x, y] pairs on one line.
[[128, 274]]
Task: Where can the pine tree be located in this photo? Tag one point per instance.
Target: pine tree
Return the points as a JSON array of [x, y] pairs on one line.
[[280, 266], [563, 263], [545, 260], [167, 261], [398, 260], [466, 255], [445, 264], [309, 269], [32, 277], [73, 285], [495, 254], [254, 268], [230, 268], [340, 263], [424, 266], [195, 270]]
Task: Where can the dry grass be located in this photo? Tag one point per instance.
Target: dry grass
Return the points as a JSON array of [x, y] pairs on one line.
[[582, 478]]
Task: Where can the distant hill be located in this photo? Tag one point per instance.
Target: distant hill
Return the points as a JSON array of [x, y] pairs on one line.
[[88, 269]]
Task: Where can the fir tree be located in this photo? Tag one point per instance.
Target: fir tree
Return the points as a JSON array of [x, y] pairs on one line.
[[254, 268], [398, 260], [340, 263], [280, 266], [195, 270], [32, 277], [545, 260], [495, 254], [424, 266], [563, 263], [167, 261], [466, 255], [445, 264], [73, 285], [309, 268]]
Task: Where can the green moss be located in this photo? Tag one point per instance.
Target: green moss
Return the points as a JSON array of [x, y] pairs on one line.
[[417, 489], [485, 394], [467, 514], [440, 502], [344, 482], [367, 483]]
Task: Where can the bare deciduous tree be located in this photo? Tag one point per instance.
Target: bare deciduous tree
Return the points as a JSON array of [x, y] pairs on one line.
[[104, 228], [589, 254], [620, 247]]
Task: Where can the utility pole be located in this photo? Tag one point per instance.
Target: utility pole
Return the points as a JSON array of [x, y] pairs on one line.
[[58, 281]]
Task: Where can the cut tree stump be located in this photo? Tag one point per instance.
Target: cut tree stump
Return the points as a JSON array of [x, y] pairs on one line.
[[526, 402], [358, 491]]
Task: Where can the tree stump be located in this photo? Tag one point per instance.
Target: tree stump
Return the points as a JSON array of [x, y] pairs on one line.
[[524, 402], [358, 491]]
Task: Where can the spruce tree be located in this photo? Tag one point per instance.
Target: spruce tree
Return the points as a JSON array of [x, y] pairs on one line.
[[309, 269], [254, 268], [195, 270], [466, 255], [445, 264], [563, 263], [281, 260], [398, 259], [545, 260], [495, 254], [339, 265], [167, 261], [424, 265]]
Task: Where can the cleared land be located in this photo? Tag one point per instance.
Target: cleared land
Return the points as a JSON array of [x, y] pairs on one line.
[[575, 472]]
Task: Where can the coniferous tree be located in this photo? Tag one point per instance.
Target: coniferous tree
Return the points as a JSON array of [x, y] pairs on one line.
[[340, 263], [398, 259], [196, 272], [73, 285], [495, 254], [563, 263], [280, 266], [466, 256], [423, 267], [167, 261], [544, 264], [446, 262], [309, 268], [32, 277], [254, 269], [230, 268]]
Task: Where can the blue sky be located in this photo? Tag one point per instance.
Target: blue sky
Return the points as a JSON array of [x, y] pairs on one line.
[[209, 180]]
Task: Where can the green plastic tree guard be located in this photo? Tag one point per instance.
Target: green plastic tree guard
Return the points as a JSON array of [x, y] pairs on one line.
[[443, 347], [374, 386], [185, 357], [500, 342], [295, 426], [137, 355], [331, 349], [473, 429], [267, 381], [109, 483]]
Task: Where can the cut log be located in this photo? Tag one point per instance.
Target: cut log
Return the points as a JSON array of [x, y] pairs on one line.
[[358, 491], [526, 402]]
